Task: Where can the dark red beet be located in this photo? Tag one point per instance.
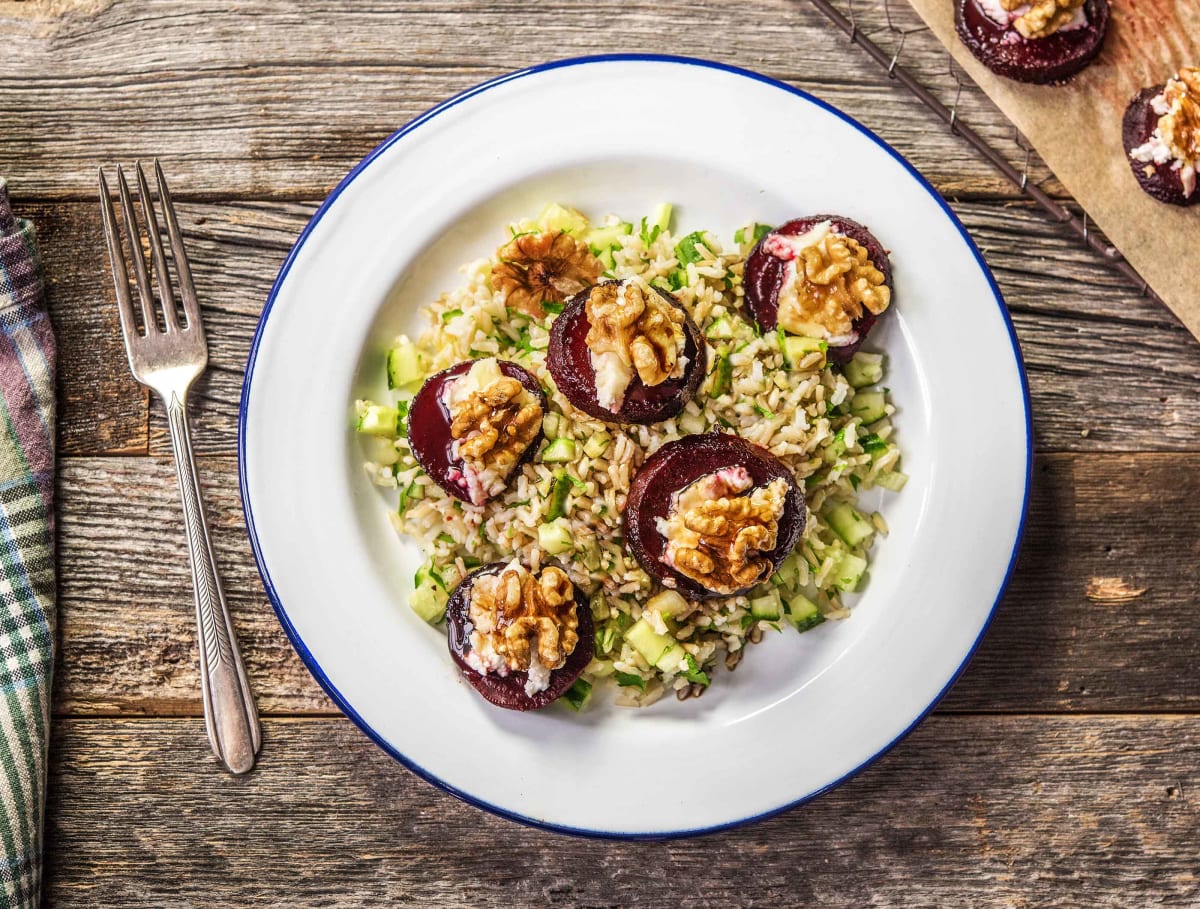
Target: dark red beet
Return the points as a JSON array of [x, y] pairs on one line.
[[676, 466], [763, 278], [509, 691], [569, 361], [1162, 182], [429, 425], [1042, 61]]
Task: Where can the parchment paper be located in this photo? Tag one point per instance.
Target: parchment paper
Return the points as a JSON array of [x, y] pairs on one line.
[[1076, 128]]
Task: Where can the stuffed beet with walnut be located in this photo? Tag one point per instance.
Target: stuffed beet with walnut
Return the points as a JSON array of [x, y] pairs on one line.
[[713, 515], [823, 277], [1161, 131], [1039, 41], [472, 425], [521, 638], [626, 352]]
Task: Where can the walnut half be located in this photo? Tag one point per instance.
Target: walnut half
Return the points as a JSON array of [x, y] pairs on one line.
[[543, 268], [1044, 17], [516, 614], [632, 329], [719, 528], [1180, 125]]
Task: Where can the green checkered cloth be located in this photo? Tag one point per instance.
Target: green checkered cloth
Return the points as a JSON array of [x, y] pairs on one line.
[[26, 556]]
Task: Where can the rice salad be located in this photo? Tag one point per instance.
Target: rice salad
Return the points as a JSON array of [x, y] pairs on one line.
[[829, 424]]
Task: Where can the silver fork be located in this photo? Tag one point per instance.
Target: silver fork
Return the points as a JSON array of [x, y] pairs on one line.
[[168, 361]]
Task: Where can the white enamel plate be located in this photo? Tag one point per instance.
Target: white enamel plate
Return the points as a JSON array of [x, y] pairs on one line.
[[620, 134]]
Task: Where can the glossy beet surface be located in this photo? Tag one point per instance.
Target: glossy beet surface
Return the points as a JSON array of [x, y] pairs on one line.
[[429, 425], [569, 361], [1055, 58], [676, 466], [1162, 183], [509, 691], [764, 276]]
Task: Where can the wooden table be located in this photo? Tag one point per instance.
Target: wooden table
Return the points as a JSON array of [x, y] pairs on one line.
[[1060, 771]]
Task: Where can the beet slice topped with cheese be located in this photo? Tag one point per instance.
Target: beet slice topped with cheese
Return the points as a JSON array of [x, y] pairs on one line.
[[471, 426], [488, 670], [713, 515], [772, 275], [626, 352], [1155, 165], [994, 35]]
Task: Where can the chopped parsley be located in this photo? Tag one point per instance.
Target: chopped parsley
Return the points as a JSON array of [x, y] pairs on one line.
[[628, 679], [685, 249], [693, 672]]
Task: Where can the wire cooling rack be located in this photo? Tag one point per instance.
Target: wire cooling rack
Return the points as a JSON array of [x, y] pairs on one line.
[[889, 59]]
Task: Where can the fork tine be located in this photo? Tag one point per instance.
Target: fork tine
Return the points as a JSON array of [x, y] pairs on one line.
[[116, 258], [156, 253], [145, 294], [183, 271]]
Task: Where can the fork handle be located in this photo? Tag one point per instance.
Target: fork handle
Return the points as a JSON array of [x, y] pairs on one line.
[[229, 712]]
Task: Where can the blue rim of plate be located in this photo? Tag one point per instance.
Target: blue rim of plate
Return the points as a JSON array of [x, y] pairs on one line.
[[299, 645]]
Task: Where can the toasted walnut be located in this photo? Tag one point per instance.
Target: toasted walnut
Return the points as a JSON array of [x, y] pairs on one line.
[[543, 268], [1180, 125], [1044, 17], [493, 422], [719, 529], [834, 280], [632, 329], [517, 614]]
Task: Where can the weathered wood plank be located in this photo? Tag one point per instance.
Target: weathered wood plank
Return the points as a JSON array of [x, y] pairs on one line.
[[1098, 811], [1100, 615], [282, 102]]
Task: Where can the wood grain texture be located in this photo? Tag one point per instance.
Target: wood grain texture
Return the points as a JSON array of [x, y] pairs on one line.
[[1043, 812], [1053, 646], [283, 98]]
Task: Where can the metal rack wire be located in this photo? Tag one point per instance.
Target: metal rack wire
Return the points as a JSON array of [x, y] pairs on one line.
[[1078, 224]]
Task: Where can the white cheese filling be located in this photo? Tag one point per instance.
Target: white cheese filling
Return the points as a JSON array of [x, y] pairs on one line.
[[1001, 16]]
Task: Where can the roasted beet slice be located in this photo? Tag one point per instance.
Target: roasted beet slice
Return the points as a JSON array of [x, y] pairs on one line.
[[1162, 182], [429, 426], [763, 278], [1043, 61], [676, 466], [509, 691], [569, 361]]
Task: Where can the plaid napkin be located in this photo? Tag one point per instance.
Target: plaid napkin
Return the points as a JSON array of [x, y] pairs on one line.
[[26, 557]]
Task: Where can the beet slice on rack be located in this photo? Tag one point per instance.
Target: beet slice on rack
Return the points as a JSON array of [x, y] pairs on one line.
[[1043, 61], [676, 466], [429, 426], [764, 276], [569, 361], [1160, 181], [509, 691]]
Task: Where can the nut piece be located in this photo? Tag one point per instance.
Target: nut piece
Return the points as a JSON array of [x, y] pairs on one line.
[[1044, 17], [832, 279], [632, 329], [718, 530], [543, 268], [519, 616], [494, 418], [1179, 126]]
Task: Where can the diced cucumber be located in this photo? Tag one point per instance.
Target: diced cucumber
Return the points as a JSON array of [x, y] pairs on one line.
[[577, 695], [864, 369], [609, 237], [788, 572], [557, 218], [550, 425], [378, 420], [691, 423], [836, 447], [428, 601], [558, 497], [555, 537], [659, 651], [451, 314], [724, 376], [893, 480], [661, 218], [668, 603], [847, 573], [869, 406], [803, 613], [596, 445], [427, 575], [720, 329], [560, 451], [405, 365], [849, 524], [606, 638], [606, 259], [767, 606], [797, 348]]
